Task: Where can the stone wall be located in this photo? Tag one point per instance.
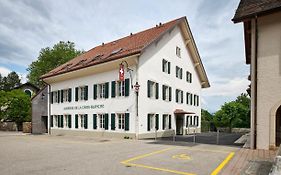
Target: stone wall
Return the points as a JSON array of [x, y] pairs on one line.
[[8, 126], [26, 127]]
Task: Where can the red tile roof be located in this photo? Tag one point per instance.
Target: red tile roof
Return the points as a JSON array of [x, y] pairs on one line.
[[129, 45]]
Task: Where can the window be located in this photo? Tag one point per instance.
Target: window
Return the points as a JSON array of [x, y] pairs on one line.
[[83, 121], [178, 52], [166, 66], [67, 121], [81, 93], [196, 121], [101, 121], [188, 77], [179, 96], [167, 93], [120, 91], [189, 121], [121, 121], [152, 122], [66, 95], [189, 98], [120, 88], [56, 121], [178, 72], [55, 96], [196, 100], [166, 121], [152, 89], [101, 90]]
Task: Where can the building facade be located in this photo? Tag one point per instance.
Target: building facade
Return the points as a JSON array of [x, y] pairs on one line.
[[158, 95], [262, 33]]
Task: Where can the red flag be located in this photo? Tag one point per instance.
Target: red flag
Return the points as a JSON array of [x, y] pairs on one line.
[[121, 72]]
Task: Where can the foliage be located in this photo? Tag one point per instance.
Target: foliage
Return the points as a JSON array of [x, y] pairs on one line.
[[15, 106], [50, 58], [206, 115], [9, 82], [234, 114]]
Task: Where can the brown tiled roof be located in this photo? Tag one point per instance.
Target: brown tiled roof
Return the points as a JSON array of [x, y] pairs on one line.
[[129, 45], [249, 8]]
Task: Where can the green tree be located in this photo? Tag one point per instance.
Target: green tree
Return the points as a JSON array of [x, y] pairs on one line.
[[9, 82], [15, 106], [50, 58], [206, 120], [234, 114]]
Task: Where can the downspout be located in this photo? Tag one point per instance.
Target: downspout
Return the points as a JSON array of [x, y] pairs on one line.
[[49, 107], [137, 101], [256, 82]]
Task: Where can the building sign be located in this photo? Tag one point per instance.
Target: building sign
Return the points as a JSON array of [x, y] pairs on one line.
[[83, 107], [121, 72]]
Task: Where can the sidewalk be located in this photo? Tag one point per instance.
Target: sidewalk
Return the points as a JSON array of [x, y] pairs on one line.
[[250, 162]]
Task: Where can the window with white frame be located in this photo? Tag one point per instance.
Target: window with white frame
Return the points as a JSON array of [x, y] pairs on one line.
[[152, 122], [101, 121], [167, 93], [178, 51], [190, 120], [189, 98], [196, 121], [152, 89], [101, 90], [55, 96], [166, 66], [196, 100], [166, 121], [178, 72], [56, 120], [121, 121], [179, 96], [81, 92], [66, 95], [120, 90], [188, 77]]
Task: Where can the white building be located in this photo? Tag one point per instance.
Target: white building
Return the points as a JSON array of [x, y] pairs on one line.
[[87, 97]]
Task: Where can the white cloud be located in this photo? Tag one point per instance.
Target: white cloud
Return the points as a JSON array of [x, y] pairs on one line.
[[4, 71]]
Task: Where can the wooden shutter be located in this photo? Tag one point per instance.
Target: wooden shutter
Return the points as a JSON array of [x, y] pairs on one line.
[[106, 89], [85, 92], [177, 96], [181, 73], [94, 121], [76, 120], [127, 87], [163, 65], [52, 121], [106, 121], [76, 94], [148, 122], [61, 98], [58, 96], [127, 121], [163, 122], [62, 121], [191, 99], [190, 78], [177, 68], [157, 121], [170, 122], [169, 67], [163, 92], [51, 97], [95, 91], [181, 96], [157, 91], [148, 88], [112, 121], [86, 121], [170, 94], [69, 95], [69, 121], [113, 83]]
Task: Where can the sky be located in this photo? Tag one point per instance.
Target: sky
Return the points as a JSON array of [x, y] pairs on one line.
[[26, 26]]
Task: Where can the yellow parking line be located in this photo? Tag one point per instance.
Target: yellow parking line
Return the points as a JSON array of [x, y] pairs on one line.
[[159, 169], [145, 155], [226, 160]]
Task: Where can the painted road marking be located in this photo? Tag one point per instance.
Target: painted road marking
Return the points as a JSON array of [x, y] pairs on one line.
[[215, 172], [182, 157]]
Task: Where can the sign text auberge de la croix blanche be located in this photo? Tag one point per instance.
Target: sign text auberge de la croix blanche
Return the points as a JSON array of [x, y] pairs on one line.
[[83, 107]]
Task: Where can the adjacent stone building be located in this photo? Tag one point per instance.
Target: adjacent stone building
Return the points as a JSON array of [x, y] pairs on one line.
[[262, 34]]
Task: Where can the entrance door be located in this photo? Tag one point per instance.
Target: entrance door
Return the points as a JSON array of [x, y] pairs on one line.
[[179, 124], [44, 124]]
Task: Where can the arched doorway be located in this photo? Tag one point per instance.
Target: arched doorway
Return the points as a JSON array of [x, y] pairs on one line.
[[28, 92], [278, 127]]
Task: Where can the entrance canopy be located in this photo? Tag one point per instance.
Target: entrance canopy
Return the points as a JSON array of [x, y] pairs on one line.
[[181, 111]]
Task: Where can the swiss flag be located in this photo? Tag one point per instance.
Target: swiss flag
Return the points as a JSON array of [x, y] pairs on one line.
[[121, 72]]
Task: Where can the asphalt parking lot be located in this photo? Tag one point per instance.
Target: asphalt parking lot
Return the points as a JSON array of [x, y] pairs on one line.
[[44, 154]]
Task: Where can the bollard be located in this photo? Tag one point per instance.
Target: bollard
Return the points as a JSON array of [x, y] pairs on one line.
[[194, 135], [218, 136]]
